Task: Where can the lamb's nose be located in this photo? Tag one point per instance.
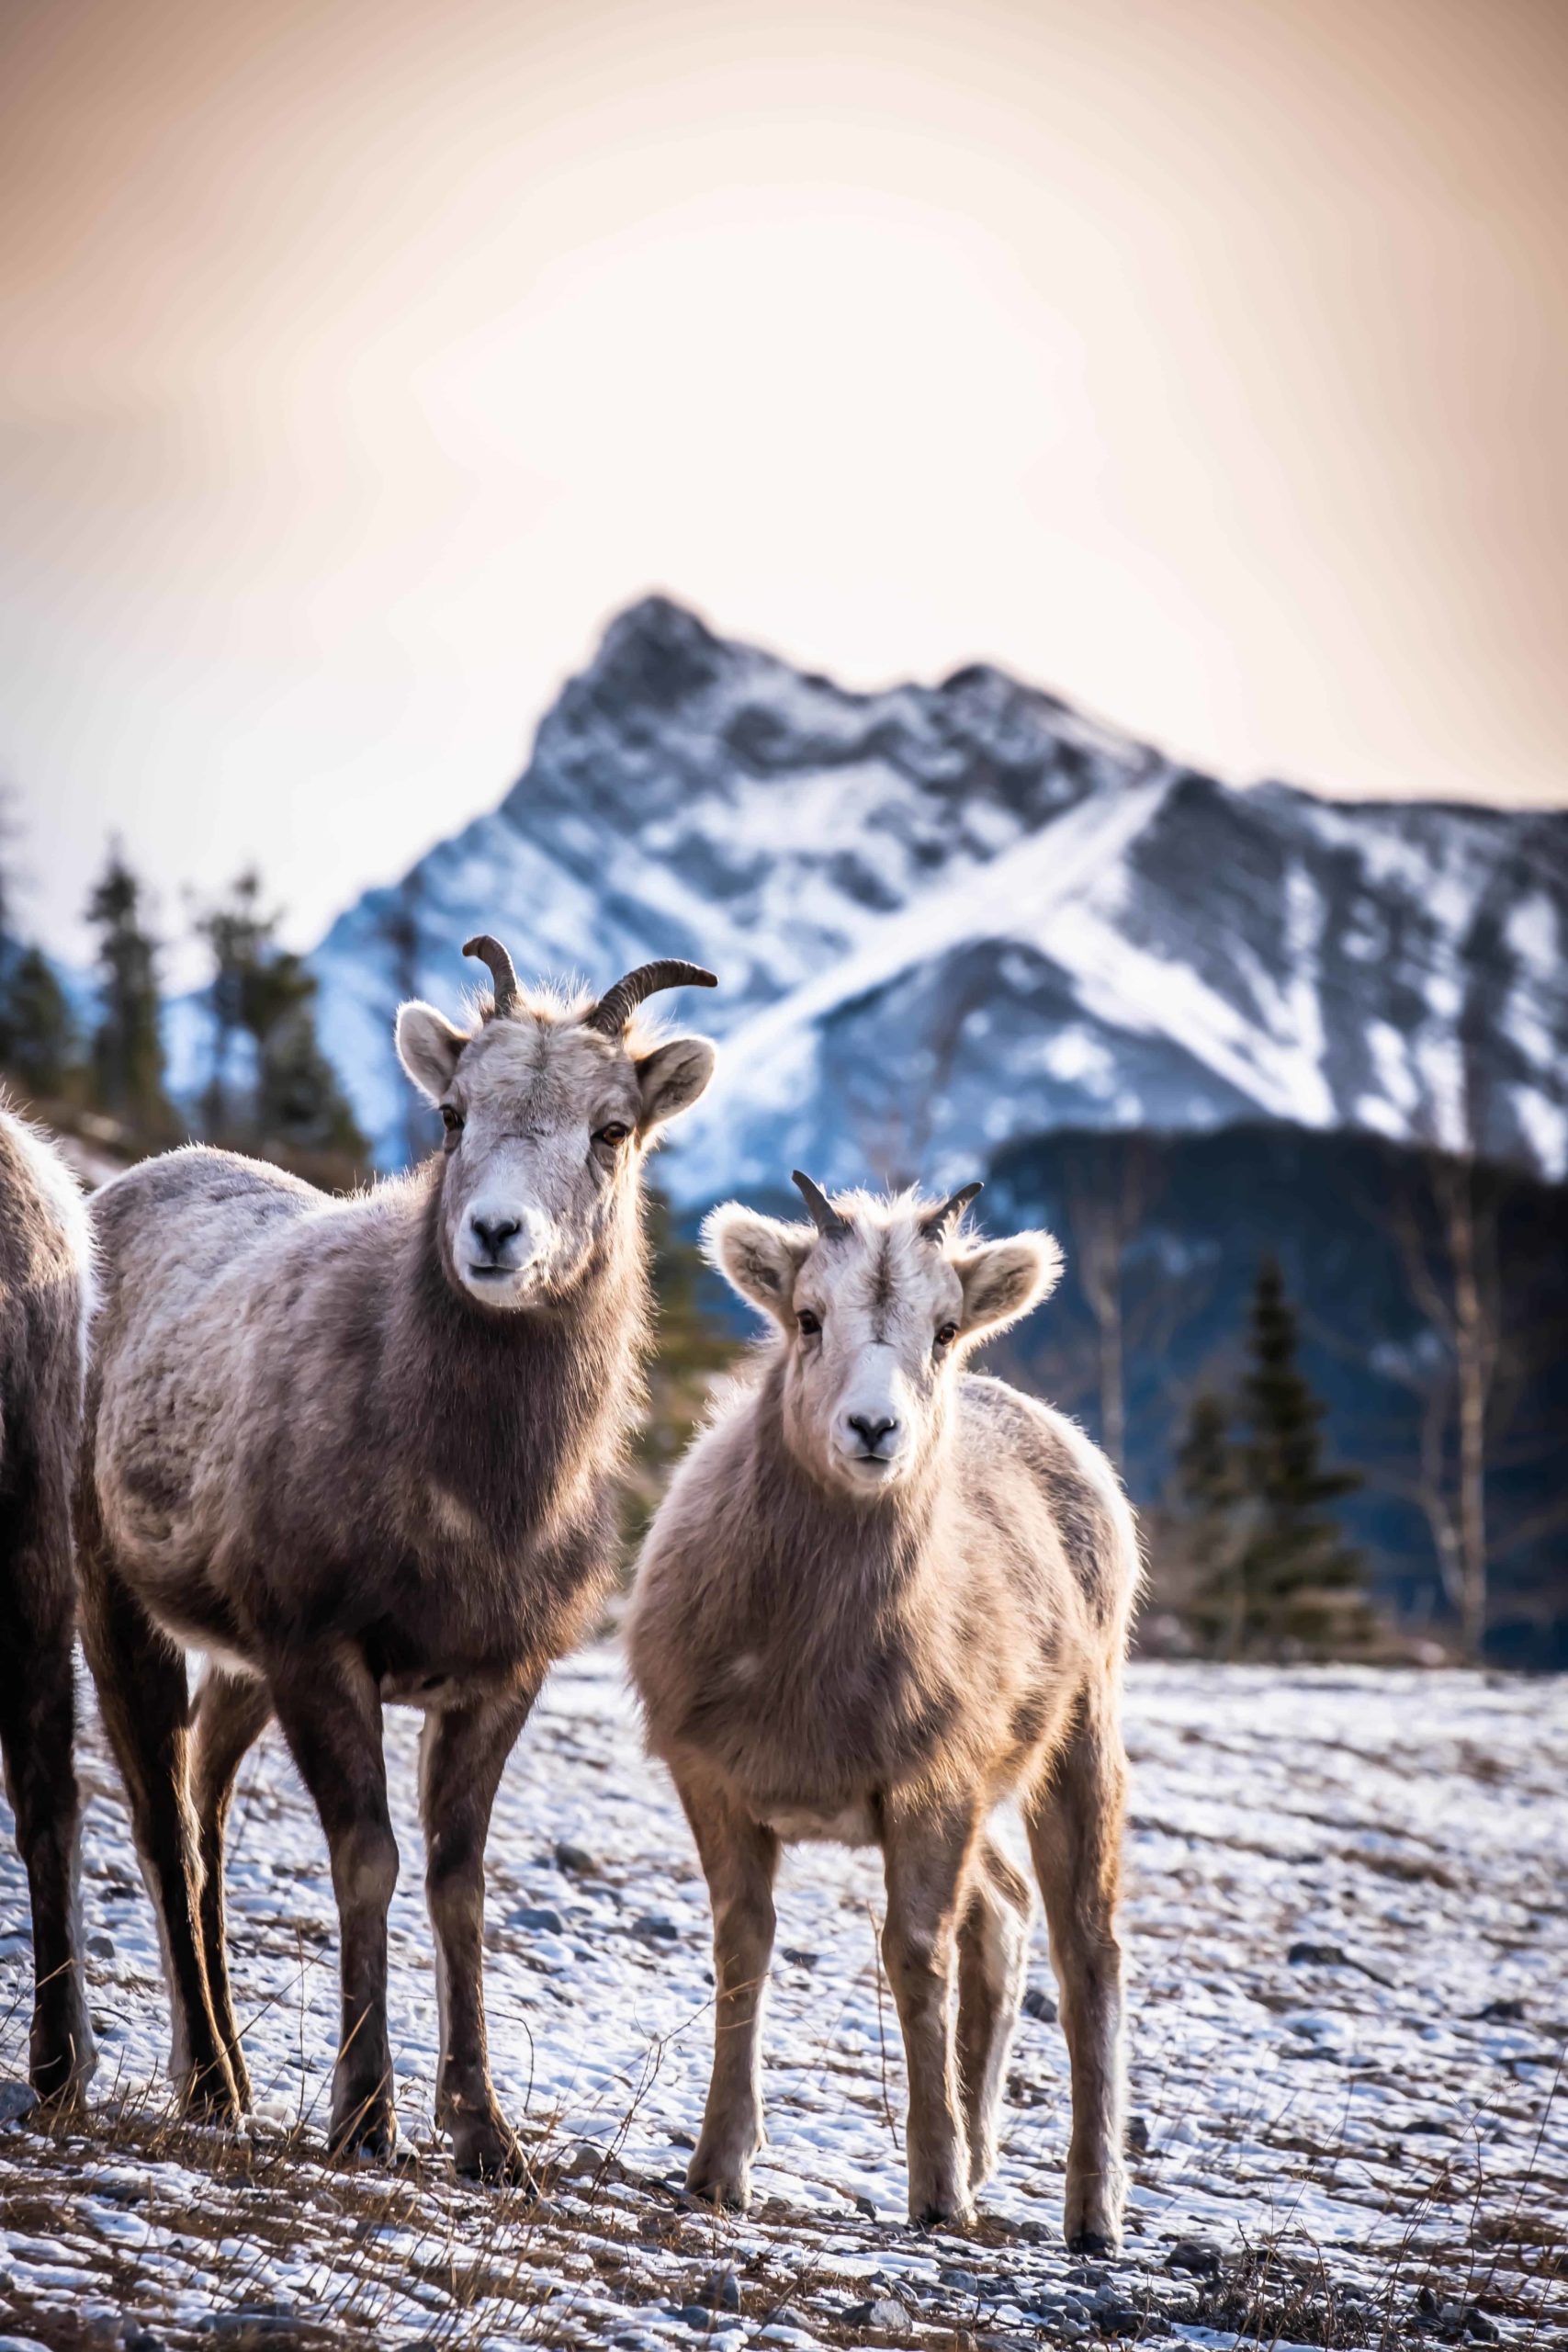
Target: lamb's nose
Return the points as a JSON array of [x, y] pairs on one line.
[[870, 1432], [493, 1231]]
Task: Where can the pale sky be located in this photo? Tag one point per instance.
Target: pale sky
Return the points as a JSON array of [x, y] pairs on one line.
[[1202, 360]]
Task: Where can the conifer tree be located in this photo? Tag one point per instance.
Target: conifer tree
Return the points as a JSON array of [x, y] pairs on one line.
[[1301, 1582], [260, 990], [1209, 1494], [128, 1053], [37, 1032], [299, 1100], [238, 935]]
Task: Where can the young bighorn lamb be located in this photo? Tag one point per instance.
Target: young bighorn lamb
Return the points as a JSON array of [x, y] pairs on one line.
[[882, 1595], [365, 1449], [45, 1298]]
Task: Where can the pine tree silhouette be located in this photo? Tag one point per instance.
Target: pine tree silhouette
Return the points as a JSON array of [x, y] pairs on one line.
[[293, 1102], [128, 1052], [1300, 1582], [37, 1035], [1208, 1491]]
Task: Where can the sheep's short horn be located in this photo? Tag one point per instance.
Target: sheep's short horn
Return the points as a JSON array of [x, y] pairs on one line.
[[615, 1007], [824, 1216], [936, 1225], [486, 950]]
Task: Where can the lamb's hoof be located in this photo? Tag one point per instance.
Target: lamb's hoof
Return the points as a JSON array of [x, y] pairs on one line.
[[954, 2218], [713, 2184], [367, 2136], [53, 2089], [485, 2148], [210, 2097]]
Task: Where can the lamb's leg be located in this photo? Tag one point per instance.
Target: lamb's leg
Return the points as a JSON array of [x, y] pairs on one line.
[[927, 1853], [144, 1701], [740, 1859], [231, 1712], [993, 1955], [329, 1709], [1074, 1830], [38, 1723], [462, 1755]]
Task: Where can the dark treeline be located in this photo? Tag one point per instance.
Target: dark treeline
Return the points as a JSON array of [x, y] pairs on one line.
[[1334, 1371], [98, 1068]]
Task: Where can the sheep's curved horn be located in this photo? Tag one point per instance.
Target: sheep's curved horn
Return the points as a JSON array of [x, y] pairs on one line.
[[936, 1225], [615, 1007], [486, 950], [824, 1216]]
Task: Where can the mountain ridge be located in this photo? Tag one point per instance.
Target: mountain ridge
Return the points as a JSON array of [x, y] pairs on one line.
[[949, 916]]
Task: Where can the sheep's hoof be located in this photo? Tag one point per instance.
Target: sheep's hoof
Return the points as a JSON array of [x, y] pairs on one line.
[[713, 2186], [370, 2133], [209, 2097], [485, 2148], [943, 2217], [1091, 2242]]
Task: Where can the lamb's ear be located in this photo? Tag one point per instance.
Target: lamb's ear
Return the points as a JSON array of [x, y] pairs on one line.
[[671, 1077], [1003, 1280], [757, 1256], [428, 1047]]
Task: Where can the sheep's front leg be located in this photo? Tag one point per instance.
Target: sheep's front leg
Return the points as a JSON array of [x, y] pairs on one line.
[[927, 1855], [329, 1711], [740, 1859], [463, 1752]]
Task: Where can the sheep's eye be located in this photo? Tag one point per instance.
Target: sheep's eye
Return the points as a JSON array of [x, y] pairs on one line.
[[946, 1336], [809, 1324], [616, 1132], [451, 1120]]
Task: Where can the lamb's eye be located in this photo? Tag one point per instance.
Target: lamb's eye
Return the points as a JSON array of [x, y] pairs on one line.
[[809, 1324], [946, 1336], [616, 1132], [451, 1120]]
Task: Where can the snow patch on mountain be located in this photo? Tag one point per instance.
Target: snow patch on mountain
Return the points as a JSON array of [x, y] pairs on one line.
[[948, 917]]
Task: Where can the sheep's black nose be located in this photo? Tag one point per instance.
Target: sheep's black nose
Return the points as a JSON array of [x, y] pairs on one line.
[[870, 1433], [493, 1231]]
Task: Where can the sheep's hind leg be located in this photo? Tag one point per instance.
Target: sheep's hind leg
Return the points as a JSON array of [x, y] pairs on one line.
[[144, 1700], [1074, 1830], [993, 1956], [38, 1723], [329, 1709], [926, 1854], [231, 1712], [463, 1752], [740, 1859]]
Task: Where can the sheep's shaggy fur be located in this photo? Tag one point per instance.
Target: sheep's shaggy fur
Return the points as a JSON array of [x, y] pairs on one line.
[[361, 1450], [882, 1595], [45, 1299]]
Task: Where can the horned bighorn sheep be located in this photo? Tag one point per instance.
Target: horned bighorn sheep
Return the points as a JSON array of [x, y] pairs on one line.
[[365, 1449], [45, 1298], [882, 1595]]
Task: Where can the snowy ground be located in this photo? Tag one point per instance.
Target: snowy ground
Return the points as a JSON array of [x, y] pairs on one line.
[[1348, 1926]]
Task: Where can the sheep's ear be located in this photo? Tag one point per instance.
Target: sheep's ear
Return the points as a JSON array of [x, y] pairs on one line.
[[428, 1047], [671, 1077], [1003, 1280], [757, 1256]]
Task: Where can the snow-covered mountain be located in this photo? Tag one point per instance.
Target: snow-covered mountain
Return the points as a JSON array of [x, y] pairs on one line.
[[945, 918]]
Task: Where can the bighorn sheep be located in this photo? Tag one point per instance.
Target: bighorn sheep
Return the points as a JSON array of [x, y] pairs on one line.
[[45, 1298], [882, 1595], [365, 1449]]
